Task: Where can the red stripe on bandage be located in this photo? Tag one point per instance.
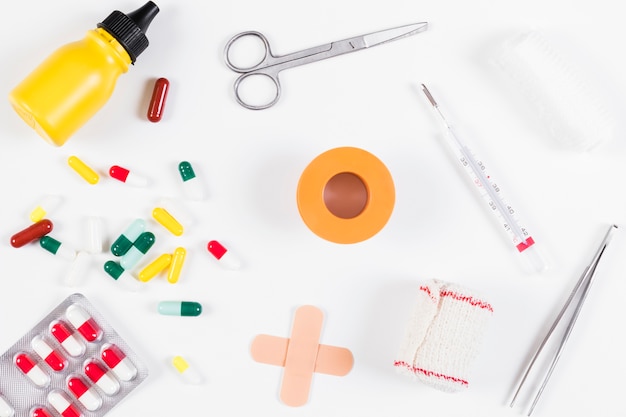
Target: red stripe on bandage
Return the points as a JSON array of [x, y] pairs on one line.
[[428, 373], [471, 300]]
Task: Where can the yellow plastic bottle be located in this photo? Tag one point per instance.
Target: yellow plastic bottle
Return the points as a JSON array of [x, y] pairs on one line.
[[73, 83]]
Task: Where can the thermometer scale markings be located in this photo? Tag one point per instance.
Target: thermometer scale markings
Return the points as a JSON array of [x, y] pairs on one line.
[[488, 188], [505, 212]]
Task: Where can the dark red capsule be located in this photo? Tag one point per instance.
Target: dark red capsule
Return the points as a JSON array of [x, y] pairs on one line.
[[31, 233], [157, 103]]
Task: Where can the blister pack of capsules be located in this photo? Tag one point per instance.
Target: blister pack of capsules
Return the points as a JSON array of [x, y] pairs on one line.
[[70, 364]]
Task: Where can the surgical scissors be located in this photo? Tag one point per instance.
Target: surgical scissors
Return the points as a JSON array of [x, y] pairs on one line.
[[271, 65], [583, 285]]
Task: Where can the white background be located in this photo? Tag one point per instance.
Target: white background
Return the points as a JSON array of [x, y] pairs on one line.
[[250, 163]]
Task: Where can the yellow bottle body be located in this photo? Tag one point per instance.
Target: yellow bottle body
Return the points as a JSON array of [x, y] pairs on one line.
[[70, 86]]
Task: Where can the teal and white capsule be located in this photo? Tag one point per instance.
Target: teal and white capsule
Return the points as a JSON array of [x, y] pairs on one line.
[[137, 250], [192, 186], [57, 248], [119, 274], [180, 308], [125, 241]]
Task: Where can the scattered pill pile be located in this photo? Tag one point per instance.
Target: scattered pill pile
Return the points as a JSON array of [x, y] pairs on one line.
[[134, 243], [128, 250]]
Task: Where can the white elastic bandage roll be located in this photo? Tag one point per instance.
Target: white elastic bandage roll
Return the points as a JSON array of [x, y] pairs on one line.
[[443, 335], [574, 109]]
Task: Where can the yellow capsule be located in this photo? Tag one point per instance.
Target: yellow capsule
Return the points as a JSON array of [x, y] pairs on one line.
[[37, 214], [165, 219], [48, 203], [177, 264], [83, 170], [180, 364], [153, 268], [189, 374]]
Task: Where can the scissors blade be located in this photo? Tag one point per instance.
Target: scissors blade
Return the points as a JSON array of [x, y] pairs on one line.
[[388, 35], [358, 43], [345, 46]]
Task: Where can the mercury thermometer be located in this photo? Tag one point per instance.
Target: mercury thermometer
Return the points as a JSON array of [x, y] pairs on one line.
[[491, 193]]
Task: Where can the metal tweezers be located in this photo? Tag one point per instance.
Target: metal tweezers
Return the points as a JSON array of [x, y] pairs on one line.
[[584, 282]]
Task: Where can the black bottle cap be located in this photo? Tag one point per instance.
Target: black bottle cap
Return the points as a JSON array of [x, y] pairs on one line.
[[129, 29]]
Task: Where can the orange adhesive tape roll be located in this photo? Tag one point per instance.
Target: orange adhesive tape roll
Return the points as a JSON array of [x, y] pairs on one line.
[[345, 195]]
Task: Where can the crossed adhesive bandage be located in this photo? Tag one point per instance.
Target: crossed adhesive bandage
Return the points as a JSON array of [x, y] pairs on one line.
[[301, 355]]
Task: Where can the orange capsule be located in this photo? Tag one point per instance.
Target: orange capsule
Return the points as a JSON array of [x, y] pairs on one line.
[[32, 232], [157, 103]]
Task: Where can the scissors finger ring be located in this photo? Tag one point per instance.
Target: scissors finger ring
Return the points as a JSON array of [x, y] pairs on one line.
[[246, 68], [255, 86]]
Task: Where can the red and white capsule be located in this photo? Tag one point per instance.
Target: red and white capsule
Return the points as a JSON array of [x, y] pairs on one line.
[[223, 255], [40, 412], [54, 359], [127, 176], [64, 406], [32, 370], [85, 394], [68, 340], [6, 409], [99, 375], [83, 322], [116, 359]]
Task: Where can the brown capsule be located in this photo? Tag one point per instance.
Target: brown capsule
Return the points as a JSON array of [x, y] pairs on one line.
[[31, 233], [157, 103]]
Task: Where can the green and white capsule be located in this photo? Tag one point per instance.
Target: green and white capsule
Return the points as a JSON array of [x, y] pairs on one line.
[[138, 249], [125, 241], [57, 248], [180, 308], [119, 274], [192, 186]]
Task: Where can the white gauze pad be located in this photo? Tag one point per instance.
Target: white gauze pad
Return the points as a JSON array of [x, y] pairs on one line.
[[443, 335], [574, 111]]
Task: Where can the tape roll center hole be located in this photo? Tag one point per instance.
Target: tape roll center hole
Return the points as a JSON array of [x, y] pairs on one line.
[[345, 195]]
